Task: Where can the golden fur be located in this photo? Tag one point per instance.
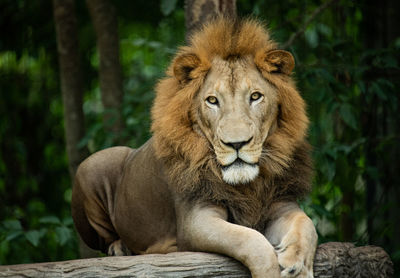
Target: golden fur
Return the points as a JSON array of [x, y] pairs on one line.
[[285, 166]]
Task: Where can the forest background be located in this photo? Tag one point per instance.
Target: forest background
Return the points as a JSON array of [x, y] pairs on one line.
[[347, 69]]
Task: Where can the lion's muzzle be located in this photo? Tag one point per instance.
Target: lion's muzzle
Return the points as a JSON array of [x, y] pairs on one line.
[[239, 172], [237, 145], [239, 161]]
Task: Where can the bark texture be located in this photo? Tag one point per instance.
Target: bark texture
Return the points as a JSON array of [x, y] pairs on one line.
[[197, 12], [71, 80], [104, 18], [332, 259]]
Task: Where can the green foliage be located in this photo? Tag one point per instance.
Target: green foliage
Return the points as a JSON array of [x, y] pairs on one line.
[[47, 239], [33, 166], [145, 54]]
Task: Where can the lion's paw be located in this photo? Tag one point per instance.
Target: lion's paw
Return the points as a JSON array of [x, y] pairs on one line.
[[118, 248], [292, 262]]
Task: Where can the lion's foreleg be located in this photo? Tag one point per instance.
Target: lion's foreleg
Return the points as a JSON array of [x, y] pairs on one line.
[[293, 234], [204, 228]]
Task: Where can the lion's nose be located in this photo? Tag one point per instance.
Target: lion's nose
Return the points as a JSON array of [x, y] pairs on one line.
[[237, 145]]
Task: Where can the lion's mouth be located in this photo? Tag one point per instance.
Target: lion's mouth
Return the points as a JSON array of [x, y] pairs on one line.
[[239, 172], [238, 163]]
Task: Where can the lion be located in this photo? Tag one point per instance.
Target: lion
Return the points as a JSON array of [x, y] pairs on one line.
[[224, 169]]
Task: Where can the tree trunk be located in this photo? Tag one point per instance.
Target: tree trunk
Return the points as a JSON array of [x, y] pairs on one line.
[[332, 259], [71, 88], [105, 23], [197, 12], [71, 80]]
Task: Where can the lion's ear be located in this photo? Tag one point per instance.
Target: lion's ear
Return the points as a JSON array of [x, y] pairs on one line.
[[183, 67], [275, 61]]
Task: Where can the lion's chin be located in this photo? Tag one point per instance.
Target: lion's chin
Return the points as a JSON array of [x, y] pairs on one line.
[[240, 173]]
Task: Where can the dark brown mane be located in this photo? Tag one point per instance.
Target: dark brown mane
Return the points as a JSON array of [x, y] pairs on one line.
[[285, 168]]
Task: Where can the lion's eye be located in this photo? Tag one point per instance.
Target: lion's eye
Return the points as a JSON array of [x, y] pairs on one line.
[[212, 100], [255, 96]]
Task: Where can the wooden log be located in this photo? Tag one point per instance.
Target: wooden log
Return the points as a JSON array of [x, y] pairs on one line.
[[332, 259], [343, 259]]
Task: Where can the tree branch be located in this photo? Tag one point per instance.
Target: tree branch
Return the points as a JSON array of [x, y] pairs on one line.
[[334, 259], [303, 28]]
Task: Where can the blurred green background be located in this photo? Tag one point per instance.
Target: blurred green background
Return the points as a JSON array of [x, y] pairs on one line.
[[347, 68]]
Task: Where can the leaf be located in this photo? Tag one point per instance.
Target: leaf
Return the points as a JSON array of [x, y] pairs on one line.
[[311, 36], [63, 234], [67, 221], [68, 195], [13, 234], [33, 237], [167, 6], [155, 44], [331, 152], [327, 168], [347, 114], [326, 75], [131, 121], [362, 87], [12, 225], [324, 29], [139, 42], [49, 220], [320, 210], [378, 90]]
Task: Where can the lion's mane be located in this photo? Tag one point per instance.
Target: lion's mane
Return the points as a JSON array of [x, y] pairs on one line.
[[190, 165]]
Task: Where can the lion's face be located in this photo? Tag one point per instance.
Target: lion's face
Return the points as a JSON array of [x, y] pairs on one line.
[[228, 107], [237, 110]]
